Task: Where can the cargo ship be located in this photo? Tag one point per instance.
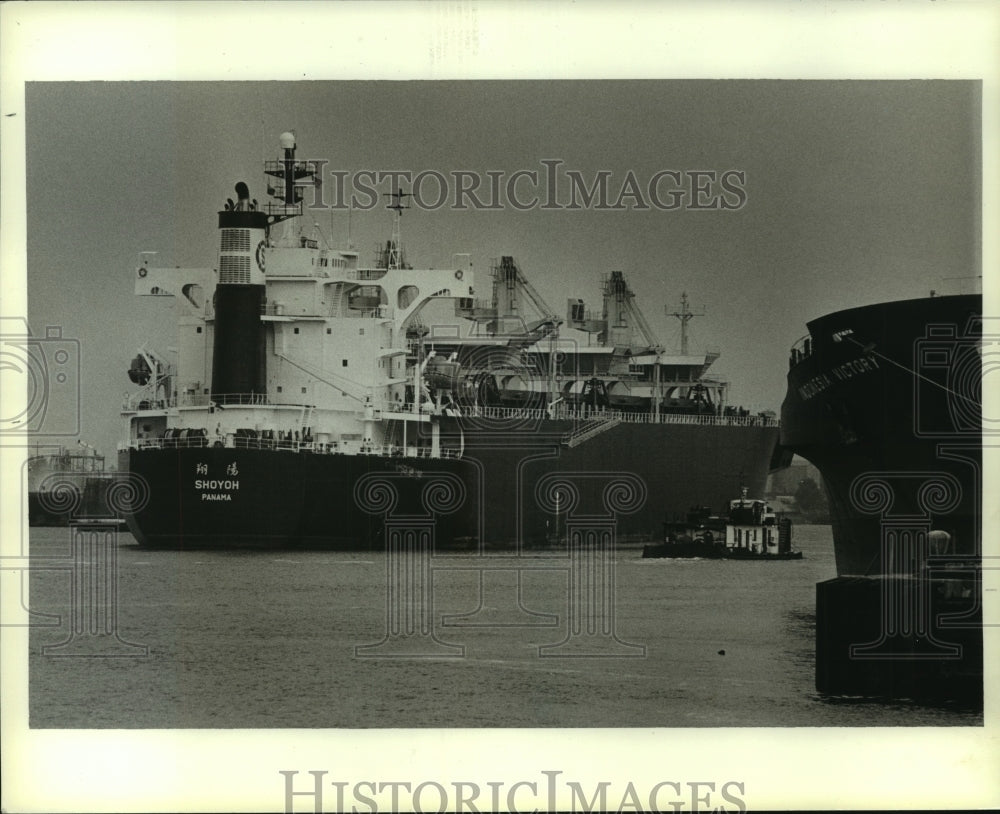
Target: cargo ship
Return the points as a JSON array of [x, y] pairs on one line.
[[63, 482], [304, 378], [886, 401]]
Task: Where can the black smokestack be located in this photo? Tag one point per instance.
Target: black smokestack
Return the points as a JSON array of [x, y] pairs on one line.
[[242, 196], [238, 365]]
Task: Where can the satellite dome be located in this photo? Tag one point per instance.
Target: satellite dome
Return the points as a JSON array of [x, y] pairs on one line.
[[287, 141]]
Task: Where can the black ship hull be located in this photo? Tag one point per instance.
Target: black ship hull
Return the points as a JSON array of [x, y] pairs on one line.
[[208, 497], [199, 497], [678, 465], [885, 402]]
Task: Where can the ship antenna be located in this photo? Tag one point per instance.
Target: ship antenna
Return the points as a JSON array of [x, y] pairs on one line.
[[289, 175], [395, 258], [685, 315]]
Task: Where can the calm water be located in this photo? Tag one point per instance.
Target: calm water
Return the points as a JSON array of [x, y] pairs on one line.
[[267, 639]]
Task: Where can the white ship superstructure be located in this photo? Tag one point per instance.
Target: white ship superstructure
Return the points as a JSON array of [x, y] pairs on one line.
[[310, 351]]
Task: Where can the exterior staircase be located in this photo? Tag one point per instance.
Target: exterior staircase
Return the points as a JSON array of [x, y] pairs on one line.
[[588, 430]]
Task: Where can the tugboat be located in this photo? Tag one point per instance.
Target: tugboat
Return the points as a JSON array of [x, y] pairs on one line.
[[750, 530], [301, 371]]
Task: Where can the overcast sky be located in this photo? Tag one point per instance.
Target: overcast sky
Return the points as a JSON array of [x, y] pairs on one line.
[[855, 192]]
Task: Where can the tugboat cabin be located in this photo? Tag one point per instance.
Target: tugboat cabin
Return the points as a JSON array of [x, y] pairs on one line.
[[753, 528]]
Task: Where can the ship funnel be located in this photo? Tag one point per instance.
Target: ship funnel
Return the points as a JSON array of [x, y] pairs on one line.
[[238, 350], [242, 196]]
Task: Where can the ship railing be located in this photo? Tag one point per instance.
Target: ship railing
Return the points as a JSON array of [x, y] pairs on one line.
[[199, 442], [140, 401], [282, 309], [283, 210], [375, 312], [363, 274], [470, 305], [701, 418], [288, 445], [276, 167], [503, 413], [561, 412], [802, 349], [224, 399], [396, 451]]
